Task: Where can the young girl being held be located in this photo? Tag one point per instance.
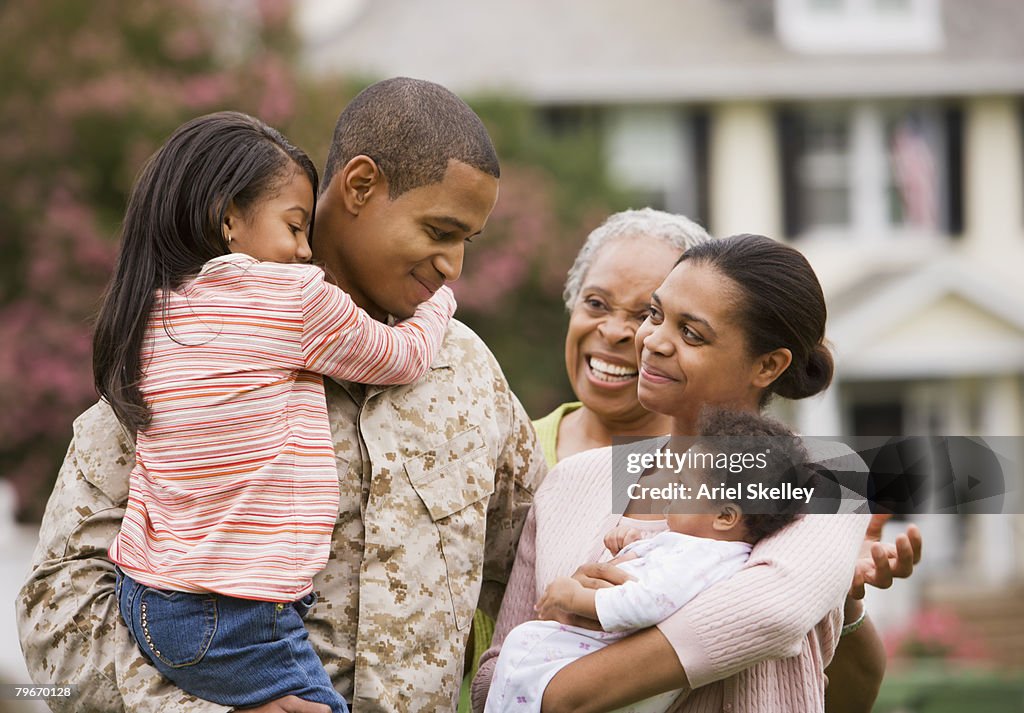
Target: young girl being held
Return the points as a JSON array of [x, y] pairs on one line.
[[210, 347]]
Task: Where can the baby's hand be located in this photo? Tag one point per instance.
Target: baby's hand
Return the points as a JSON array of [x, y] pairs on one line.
[[619, 537], [557, 598]]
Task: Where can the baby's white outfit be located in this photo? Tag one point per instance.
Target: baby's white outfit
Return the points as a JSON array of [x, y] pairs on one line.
[[670, 570]]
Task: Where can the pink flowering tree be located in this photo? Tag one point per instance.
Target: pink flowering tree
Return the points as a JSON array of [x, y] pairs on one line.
[[89, 90]]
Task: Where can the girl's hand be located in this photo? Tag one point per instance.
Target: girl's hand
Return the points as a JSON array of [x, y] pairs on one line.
[[619, 537], [881, 562]]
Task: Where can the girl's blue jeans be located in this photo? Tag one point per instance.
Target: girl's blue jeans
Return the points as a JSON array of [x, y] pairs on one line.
[[235, 652]]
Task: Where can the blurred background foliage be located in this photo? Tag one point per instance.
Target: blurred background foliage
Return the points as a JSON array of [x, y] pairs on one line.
[[101, 85], [938, 664]]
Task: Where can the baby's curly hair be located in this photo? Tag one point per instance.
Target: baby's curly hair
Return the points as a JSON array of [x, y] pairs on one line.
[[786, 461]]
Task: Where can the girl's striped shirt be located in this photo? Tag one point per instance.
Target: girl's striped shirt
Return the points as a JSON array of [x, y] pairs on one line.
[[235, 487]]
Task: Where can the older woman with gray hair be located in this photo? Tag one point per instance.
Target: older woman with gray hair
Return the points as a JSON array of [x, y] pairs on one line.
[[608, 295]]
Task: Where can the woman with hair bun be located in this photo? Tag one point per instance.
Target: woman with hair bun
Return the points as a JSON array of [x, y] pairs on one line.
[[734, 323]]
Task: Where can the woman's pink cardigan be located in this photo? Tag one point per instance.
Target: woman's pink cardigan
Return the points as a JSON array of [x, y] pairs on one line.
[[757, 642]]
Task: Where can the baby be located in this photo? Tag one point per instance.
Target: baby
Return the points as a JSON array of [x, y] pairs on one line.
[[698, 549]]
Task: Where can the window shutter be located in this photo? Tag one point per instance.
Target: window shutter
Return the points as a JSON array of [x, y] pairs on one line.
[[701, 142], [953, 120], [791, 139]]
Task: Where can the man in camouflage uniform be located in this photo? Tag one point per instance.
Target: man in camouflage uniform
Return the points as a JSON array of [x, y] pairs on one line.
[[435, 477]]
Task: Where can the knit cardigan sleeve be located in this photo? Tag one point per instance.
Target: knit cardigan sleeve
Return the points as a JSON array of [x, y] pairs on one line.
[[516, 607], [791, 582]]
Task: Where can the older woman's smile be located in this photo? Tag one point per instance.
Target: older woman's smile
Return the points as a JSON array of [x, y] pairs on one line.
[[610, 371]]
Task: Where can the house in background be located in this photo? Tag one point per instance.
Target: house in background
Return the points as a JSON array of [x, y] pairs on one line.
[[883, 138]]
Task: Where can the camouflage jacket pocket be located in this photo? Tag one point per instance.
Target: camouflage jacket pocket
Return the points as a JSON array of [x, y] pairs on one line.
[[455, 481]]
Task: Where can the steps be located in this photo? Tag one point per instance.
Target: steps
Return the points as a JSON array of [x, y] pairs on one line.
[[995, 616]]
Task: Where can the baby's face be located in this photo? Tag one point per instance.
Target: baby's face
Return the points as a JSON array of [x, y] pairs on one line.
[[696, 524]]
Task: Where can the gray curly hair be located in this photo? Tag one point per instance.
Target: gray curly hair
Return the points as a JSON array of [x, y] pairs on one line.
[[675, 230]]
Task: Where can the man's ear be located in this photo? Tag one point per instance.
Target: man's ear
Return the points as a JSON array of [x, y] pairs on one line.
[[361, 179], [727, 518], [769, 367]]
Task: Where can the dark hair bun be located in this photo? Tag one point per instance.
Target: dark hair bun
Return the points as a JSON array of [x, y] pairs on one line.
[[782, 306], [813, 378]]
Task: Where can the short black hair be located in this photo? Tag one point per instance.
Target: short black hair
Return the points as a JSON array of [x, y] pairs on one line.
[[785, 461], [411, 128]]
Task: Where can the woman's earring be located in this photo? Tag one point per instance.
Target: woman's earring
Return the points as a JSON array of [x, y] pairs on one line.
[[229, 238]]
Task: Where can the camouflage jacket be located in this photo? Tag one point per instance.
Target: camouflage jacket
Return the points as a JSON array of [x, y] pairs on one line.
[[435, 479]]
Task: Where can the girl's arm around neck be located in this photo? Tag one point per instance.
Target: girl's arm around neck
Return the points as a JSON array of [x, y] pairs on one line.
[[342, 341]]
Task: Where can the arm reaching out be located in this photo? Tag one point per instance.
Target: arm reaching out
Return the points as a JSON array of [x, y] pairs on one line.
[[858, 666], [881, 562]]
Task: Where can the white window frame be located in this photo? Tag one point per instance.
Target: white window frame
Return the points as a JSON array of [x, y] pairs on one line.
[[650, 150], [869, 176], [858, 26]]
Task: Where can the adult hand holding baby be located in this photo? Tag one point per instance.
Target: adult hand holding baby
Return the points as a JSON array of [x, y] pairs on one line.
[[557, 600]]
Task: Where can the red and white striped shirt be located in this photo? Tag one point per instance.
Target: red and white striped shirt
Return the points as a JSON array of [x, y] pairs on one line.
[[235, 487]]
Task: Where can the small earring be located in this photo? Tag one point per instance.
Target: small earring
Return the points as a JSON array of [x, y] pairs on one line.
[[229, 238]]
